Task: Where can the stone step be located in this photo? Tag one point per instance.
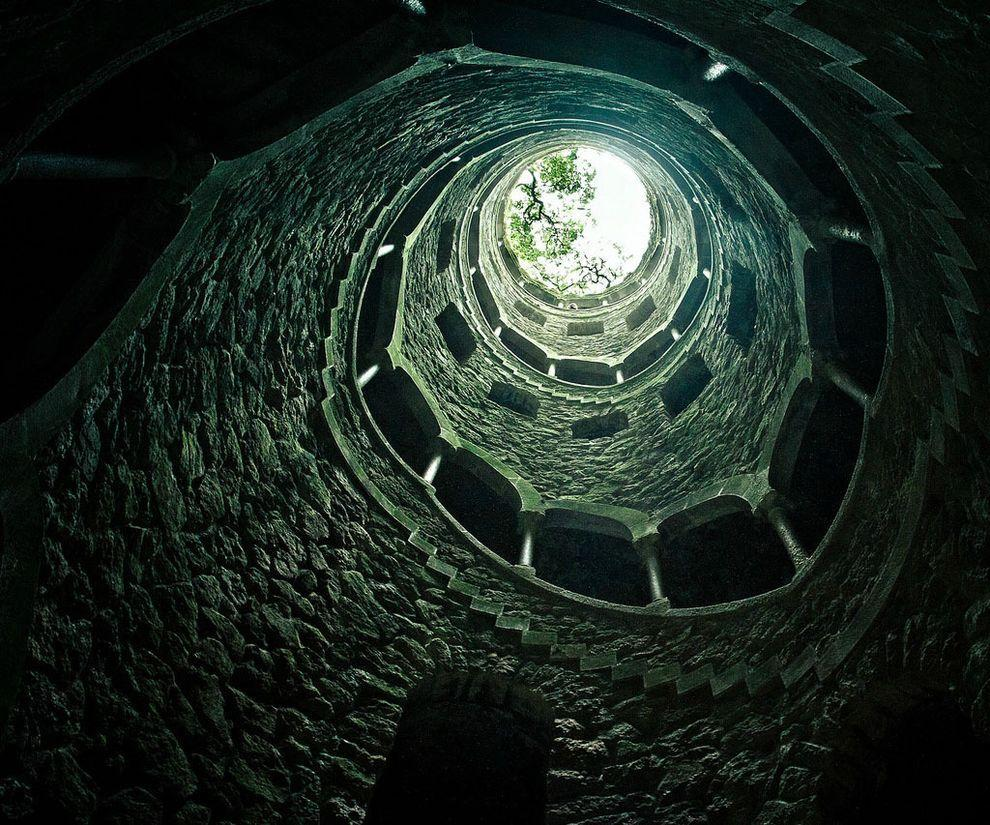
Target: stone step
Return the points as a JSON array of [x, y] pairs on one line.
[[630, 671], [421, 544], [730, 680], [440, 568], [661, 678], [567, 652], [799, 667], [696, 680], [463, 591], [512, 624], [486, 607], [599, 661], [538, 638]]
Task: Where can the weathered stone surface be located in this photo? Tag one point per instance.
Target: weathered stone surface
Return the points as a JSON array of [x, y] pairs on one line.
[[226, 625]]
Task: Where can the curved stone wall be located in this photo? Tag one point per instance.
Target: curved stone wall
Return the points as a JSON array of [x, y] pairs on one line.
[[242, 570]]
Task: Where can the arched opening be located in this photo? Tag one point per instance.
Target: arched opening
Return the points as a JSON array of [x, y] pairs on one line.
[[578, 221], [860, 308], [648, 352], [600, 426], [824, 464], [644, 309], [733, 556], [690, 303], [524, 349], [380, 304], [685, 385], [516, 399], [404, 417], [800, 143], [590, 562], [590, 373], [486, 513], [470, 747], [456, 333], [818, 301], [740, 323]]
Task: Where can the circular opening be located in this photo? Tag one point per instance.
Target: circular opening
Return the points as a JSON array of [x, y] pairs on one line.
[[578, 221]]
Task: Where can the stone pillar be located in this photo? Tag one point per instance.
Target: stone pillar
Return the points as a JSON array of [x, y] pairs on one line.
[[649, 552], [845, 382], [368, 374], [777, 516], [526, 553], [529, 522], [62, 166], [432, 468]]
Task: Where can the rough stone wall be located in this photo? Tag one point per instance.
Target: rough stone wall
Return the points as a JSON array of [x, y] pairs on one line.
[[665, 276], [655, 461], [225, 626]]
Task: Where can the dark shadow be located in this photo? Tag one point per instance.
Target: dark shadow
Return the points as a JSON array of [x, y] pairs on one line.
[[690, 303], [818, 301], [824, 464], [591, 564], [514, 398], [740, 323], [402, 414], [524, 349], [527, 311], [860, 308], [590, 373], [734, 556], [456, 333], [485, 298], [648, 352], [600, 426], [685, 385], [641, 313], [801, 144], [379, 306], [445, 247], [701, 238], [586, 328], [485, 512], [936, 770], [787, 446], [469, 748]]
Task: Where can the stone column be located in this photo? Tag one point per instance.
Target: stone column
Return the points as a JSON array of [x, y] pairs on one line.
[[526, 553], [649, 552], [777, 516], [62, 166], [845, 382], [367, 375], [530, 522], [432, 468]]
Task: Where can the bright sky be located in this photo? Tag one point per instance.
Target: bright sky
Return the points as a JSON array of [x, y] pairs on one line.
[[620, 210], [616, 225]]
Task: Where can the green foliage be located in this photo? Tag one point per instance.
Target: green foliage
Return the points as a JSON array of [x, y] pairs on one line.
[[562, 174], [546, 217], [521, 238], [560, 240]]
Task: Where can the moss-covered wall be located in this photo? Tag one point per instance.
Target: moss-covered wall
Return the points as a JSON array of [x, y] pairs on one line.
[[226, 619]]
